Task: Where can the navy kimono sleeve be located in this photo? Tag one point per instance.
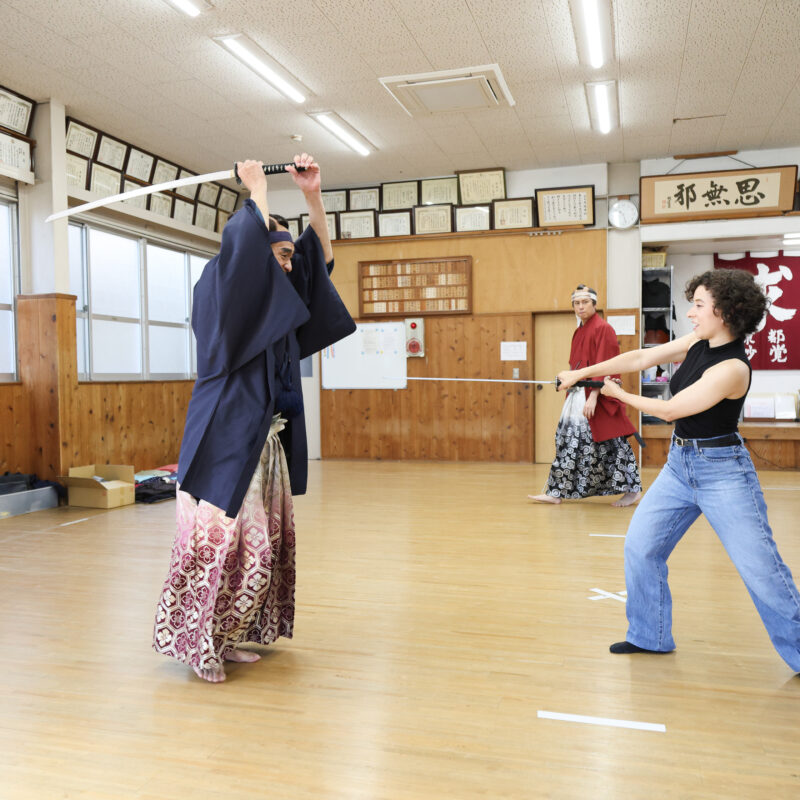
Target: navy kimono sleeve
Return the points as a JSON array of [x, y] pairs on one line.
[[243, 302]]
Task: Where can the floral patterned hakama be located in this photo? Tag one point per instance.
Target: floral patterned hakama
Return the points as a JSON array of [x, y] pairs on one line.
[[231, 581]]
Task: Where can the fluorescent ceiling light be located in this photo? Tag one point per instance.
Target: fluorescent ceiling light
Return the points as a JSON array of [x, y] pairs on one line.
[[591, 24], [791, 235], [251, 55], [346, 133], [191, 7], [603, 108]]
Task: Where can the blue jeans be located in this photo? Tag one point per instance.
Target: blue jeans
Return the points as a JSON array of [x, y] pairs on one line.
[[721, 483]]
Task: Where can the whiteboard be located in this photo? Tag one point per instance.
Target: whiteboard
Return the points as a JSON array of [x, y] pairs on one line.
[[374, 357]]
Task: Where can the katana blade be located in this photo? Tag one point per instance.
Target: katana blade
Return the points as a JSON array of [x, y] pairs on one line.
[[579, 384], [144, 190], [269, 169]]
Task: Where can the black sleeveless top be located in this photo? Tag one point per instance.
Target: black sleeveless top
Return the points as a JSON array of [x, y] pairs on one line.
[[722, 418]]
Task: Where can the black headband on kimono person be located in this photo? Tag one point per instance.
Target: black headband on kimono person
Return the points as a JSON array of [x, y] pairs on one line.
[[280, 236]]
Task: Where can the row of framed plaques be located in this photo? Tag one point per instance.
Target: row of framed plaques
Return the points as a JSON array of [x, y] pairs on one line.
[[106, 165], [549, 208], [557, 207], [469, 187], [437, 218], [16, 120]]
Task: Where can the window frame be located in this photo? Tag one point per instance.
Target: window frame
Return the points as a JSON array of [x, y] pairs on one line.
[[11, 202], [85, 316]]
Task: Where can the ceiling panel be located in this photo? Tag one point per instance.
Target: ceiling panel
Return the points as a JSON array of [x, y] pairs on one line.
[[141, 69], [718, 39]]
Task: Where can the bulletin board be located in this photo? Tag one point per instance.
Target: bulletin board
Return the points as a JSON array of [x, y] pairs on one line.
[[374, 357], [415, 287]]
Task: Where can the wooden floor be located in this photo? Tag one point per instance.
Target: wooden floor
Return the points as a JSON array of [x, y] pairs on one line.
[[438, 613]]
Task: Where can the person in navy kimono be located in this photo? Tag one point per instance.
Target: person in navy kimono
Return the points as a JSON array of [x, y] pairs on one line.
[[261, 305]]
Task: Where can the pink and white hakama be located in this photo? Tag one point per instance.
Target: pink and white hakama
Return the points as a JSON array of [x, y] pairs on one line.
[[231, 581]]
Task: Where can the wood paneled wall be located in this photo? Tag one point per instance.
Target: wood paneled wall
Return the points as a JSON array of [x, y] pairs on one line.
[[50, 422], [16, 428], [514, 274], [512, 271], [442, 420], [137, 423]]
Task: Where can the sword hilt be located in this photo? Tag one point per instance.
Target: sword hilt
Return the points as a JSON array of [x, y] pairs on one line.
[[269, 169], [584, 384]]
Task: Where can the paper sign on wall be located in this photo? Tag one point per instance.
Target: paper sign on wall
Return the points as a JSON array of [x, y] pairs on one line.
[[513, 351], [623, 325]]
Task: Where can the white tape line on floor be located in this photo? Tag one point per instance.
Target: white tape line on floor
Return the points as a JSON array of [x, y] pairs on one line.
[[613, 723]]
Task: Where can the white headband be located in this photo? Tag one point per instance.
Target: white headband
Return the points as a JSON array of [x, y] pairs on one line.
[[579, 294]]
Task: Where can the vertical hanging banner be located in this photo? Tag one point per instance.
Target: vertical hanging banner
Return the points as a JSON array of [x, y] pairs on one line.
[[776, 343]]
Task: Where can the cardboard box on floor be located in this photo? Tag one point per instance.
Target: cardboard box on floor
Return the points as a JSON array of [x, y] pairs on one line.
[[116, 489]]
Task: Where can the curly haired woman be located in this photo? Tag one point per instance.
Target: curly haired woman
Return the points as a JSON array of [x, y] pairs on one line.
[[708, 471]]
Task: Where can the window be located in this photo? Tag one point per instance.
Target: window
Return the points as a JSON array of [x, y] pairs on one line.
[[9, 281], [134, 305]]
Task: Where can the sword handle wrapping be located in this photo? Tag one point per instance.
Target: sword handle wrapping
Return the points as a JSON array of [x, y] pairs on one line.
[[269, 169], [583, 384]]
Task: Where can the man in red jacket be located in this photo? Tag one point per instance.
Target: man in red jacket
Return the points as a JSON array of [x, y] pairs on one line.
[[593, 455]]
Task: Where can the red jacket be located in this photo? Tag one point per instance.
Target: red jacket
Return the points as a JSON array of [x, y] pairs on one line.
[[595, 341]]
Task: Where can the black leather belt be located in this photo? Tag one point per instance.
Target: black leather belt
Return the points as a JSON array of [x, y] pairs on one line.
[[720, 441]]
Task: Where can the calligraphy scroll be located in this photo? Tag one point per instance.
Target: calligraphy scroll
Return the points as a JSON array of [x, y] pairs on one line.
[[767, 191]]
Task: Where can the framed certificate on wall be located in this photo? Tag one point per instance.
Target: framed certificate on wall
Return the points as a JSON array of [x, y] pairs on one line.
[[568, 205], [139, 164], [474, 218], [111, 152], [128, 185], [335, 200], [433, 219], [513, 213], [399, 194], [81, 139], [16, 111], [183, 211], [482, 185], [364, 198], [222, 219], [330, 219], [439, 190], [189, 192], [227, 200], [394, 223], [164, 172], [357, 224], [161, 204], [205, 216], [294, 227], [209, 192], [77, 171], [104, 180]]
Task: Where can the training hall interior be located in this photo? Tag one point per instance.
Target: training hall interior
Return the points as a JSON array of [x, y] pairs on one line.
[[479, 160]]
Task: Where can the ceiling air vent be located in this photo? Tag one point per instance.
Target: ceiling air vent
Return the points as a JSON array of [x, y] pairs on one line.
[[466, 89]]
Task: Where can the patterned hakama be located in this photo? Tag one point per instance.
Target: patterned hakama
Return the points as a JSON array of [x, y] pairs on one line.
[[583, 467], [231, 581]]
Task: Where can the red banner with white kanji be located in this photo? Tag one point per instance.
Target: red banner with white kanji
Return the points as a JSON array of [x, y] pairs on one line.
[[776, 343]]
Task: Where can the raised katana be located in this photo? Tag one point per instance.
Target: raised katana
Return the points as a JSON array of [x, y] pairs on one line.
[[226, 174]]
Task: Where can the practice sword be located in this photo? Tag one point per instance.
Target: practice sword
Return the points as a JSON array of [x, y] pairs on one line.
[[226, 174], [557, 382]]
